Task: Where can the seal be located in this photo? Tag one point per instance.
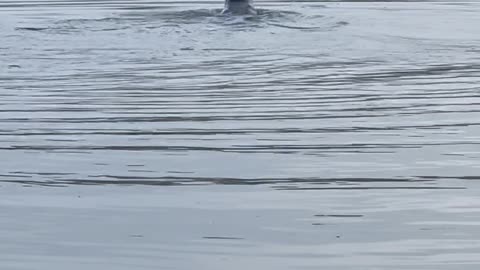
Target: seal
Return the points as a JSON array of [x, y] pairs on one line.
[[239, 7]]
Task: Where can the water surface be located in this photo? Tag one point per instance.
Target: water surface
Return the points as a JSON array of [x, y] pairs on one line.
[[164, 135]]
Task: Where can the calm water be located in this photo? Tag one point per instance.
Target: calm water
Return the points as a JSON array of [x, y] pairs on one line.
[[316, 135]]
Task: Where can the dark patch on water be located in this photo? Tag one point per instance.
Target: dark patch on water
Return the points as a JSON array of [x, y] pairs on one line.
[[341, 215], [31, 28]]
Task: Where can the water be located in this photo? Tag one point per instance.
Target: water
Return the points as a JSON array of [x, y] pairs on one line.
[[315, 135]]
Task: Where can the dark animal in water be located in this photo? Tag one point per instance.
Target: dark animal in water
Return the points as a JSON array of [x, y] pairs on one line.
[[239, 7]]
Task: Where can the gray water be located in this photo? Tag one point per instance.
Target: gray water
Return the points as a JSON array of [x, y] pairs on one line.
[[315, 135]]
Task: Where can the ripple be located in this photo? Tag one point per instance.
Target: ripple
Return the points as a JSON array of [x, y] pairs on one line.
[[304, 133]]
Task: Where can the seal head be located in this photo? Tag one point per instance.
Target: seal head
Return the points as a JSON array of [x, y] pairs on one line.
[[239, 7]]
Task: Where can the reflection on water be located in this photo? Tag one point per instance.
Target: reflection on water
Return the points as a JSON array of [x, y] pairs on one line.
[[244, 127]]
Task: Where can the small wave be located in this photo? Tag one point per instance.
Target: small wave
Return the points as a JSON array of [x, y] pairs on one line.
[[150, 20], [279, 183], [31, 28], [69, 26]]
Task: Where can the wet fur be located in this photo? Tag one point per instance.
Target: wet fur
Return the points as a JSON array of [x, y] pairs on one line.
[[239, 7]]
